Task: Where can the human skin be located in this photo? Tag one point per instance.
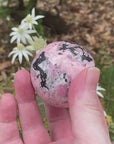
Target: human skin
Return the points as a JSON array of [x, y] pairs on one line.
[[84, 124]]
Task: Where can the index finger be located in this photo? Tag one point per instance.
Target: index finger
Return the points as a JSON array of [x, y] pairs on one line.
[[32, 126]]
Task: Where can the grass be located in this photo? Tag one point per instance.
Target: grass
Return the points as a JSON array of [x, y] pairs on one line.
[[107, 80]]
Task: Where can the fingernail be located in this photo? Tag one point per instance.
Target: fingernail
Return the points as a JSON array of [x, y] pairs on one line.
[[92, 78], [22, 81]]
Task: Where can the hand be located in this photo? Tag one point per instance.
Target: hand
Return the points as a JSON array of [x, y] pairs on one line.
[[84, 125]]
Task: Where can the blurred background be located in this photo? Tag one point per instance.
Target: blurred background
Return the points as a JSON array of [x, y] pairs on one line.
[[89, 23]]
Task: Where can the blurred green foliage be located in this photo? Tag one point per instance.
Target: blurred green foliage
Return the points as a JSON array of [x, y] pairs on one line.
[[4, 12], [107, 82], [29, 5]]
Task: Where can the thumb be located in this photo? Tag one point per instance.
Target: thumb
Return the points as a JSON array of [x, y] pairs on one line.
[[88, 122]]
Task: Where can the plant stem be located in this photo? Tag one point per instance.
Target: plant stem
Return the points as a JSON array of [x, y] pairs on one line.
[[36, 31]]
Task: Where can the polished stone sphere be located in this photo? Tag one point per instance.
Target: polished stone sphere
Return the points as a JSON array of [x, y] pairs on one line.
[[54, 68]]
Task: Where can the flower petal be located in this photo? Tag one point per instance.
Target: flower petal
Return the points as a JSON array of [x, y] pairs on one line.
[[28, 53], [100, 94], [39, 17], [20, 57], [31, 42], [26, 56], [33, 12], [30, 47], [18, 40], [34, 22], [15, 49], [13, 33], [28, 37], [31, 31], [35, 38], [13, 39], [14, 57], [100, 88], [105, 114], [14, 29], [30, 26], [12, 52], [23, 21], [23, 39], [37, 51]]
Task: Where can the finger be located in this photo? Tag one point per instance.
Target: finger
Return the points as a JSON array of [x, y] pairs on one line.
[[29, 114], [8, 125], [88, 122], [59, 123]]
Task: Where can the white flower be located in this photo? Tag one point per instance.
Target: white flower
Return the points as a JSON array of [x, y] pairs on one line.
[[36, 44], [8, 18], [19, 51], [32, 19], [4, 3], [105, 114], [99, 93], [21, 34]]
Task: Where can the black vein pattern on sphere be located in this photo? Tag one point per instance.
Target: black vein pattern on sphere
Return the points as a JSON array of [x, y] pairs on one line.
[[73, 51], [64, 76], [36, 67]]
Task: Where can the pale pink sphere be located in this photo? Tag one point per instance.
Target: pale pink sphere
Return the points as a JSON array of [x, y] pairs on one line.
[[53, 69]]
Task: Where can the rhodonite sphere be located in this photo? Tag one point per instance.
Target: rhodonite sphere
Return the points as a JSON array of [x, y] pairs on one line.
[[54, 68]]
